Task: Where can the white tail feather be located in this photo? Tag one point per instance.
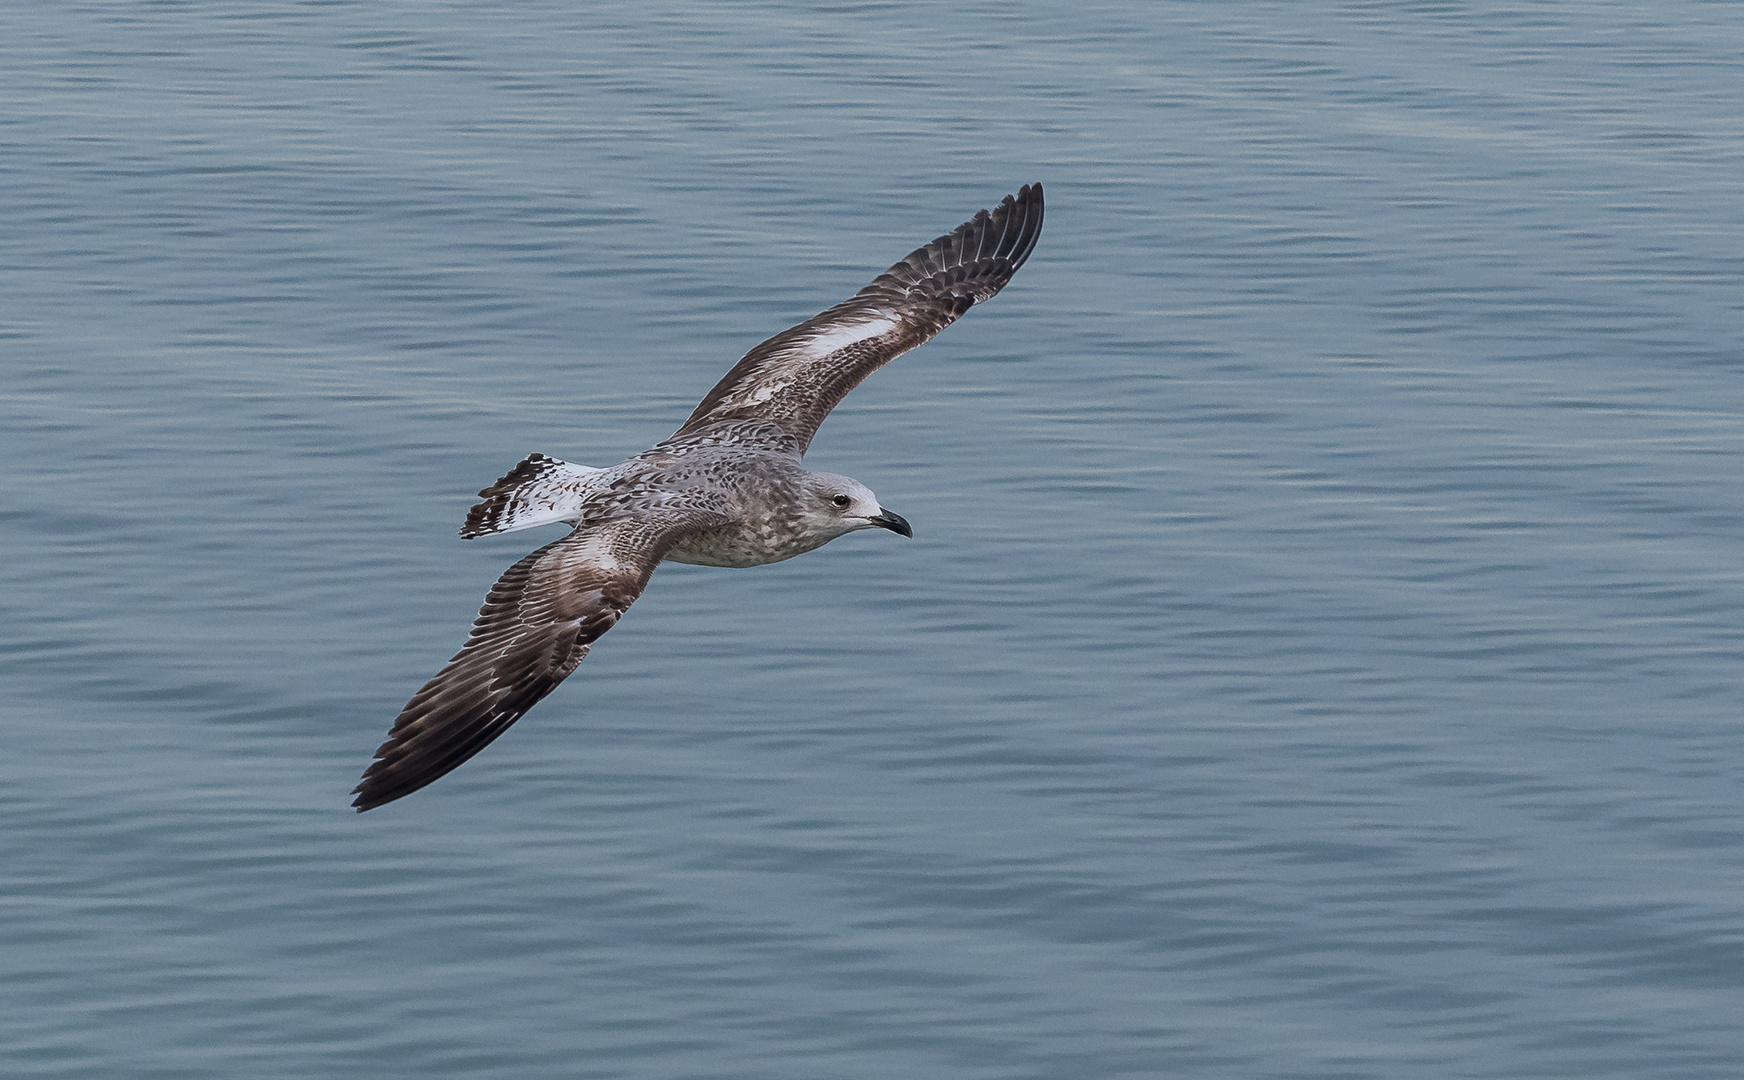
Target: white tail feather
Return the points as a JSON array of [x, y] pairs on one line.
[[539, 491]]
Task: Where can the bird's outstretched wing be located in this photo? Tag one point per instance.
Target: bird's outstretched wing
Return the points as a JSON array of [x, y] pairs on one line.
[[536, 625], [796, 377]]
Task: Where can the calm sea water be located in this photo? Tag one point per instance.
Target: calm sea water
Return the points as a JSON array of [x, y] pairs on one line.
[[1319, 655]]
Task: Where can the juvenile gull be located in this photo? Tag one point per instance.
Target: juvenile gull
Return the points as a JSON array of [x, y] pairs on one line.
[[726, 489]]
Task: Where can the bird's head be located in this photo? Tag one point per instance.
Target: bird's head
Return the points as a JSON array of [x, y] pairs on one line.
[[838, 505]]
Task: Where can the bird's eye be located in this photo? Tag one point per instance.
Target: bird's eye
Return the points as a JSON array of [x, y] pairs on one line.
[[841, 500]]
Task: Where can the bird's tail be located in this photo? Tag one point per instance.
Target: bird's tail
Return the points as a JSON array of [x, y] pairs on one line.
[[538, 491]]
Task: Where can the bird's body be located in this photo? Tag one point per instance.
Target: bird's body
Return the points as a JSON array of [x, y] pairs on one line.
[[747, 470], [727, 489]]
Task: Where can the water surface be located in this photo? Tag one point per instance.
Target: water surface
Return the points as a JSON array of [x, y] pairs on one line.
[[1318, 655]]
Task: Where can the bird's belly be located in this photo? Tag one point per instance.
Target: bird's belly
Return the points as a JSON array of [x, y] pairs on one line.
[[739, 545]]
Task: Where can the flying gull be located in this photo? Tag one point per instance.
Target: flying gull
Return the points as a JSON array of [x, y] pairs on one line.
[[726, 489]]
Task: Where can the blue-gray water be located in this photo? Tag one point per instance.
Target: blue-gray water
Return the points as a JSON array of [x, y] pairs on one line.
[[1319, 655]]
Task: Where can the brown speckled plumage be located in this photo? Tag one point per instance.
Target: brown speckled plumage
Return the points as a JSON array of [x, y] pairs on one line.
[[727, 489]]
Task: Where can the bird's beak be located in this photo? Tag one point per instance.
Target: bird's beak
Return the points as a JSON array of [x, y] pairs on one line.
[[894, 522]]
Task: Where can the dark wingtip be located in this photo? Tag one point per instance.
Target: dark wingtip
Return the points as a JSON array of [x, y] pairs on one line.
[[972, 262], [400, 769], [1029, 201], [387, 789], [367, 799], [364, 801]]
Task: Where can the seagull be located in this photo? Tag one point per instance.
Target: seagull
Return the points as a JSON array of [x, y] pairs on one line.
[[727, 489]]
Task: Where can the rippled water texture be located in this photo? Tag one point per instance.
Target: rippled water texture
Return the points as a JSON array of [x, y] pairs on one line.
[[1319, 651]]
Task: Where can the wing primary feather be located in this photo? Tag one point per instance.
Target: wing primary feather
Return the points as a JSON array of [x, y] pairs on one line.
[[982, 234], [1031, 229]]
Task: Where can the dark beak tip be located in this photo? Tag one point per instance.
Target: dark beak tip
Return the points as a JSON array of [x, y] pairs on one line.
[[896, 523]]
